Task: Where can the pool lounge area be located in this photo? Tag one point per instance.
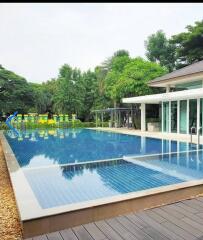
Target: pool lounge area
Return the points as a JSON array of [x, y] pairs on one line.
[[75, 176]]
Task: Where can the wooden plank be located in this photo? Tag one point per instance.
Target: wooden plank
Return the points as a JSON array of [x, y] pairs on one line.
[[155, 216], [170, 209], [54, 236], [197, 225], [41, 237], [180, 223], [154, 234], [159, 227], [198, 202], [94, 231], [68, 234], [120, 229], [200, 199], [134, 229], [164, 214], [133, 218], [187, 208], [192, 204], [82, 233], [108, 231], [187, 214], [179, 231], [153, 230]]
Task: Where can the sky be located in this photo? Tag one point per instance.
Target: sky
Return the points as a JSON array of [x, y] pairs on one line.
[[36, 39]]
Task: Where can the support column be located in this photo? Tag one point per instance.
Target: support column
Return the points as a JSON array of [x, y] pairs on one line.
[[188, 110], [143, 117], [162, 117], [178, 116], [169, 123], [198, 114], [167, 88]]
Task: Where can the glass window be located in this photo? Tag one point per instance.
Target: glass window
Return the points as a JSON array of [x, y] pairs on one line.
[[189, 85], [192, 114], [183, 116], [166, 116], [174, 116]]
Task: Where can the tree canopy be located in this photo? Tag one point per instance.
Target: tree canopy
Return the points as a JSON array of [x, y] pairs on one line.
[[118, 76], [178, 51]]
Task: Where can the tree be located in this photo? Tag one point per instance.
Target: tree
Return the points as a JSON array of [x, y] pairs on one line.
[[15, 92], [69, 94], [90, 94], [161, 50], [43, 96], [118, 62], [135, 77], [189, 45]]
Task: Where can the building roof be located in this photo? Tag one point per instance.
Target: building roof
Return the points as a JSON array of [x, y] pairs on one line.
[[191, 69], [169, 96]]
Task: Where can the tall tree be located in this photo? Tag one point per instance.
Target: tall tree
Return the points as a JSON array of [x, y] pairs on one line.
[[119, 60], [15, 92], [70, 91], [135, 77], [161, 50], [189, 45]]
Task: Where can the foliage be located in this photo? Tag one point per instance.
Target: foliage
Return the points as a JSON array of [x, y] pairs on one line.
[[135, 77], [118, 63], [69, 91], [161, 50], [15, 92], [189, 45]]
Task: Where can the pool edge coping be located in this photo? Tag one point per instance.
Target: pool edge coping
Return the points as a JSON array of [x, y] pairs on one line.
[[36, 212]]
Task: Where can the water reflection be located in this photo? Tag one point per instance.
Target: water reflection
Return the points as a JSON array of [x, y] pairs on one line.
[[64, 146]]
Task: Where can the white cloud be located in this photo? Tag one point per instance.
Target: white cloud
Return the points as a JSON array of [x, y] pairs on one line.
[[37, 38]]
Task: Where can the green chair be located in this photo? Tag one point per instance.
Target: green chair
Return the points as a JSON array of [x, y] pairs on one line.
[[61, 118], [66, 118]]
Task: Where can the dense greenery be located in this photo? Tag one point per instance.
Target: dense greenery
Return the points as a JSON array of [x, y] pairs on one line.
[[178, 51], [120, 75]]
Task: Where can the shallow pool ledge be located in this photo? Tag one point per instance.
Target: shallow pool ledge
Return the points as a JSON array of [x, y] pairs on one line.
[[37, 221]]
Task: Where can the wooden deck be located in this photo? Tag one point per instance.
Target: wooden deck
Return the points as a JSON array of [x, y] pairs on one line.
[[179, 221]]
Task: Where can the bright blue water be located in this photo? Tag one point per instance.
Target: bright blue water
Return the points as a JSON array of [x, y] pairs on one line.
[[63, 146], [60, 185], [41, 153]]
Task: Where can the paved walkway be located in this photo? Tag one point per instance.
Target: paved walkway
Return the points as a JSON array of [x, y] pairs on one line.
[[179, 221]]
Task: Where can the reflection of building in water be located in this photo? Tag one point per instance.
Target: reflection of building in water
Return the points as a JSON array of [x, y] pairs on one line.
[[26, 134], [46, 135], [20, 136], [61, 133], [33, 137]]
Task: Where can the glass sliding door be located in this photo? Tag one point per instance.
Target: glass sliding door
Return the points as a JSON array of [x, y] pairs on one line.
[[165, 118], [183, 116], [174, 116], [192, 114]]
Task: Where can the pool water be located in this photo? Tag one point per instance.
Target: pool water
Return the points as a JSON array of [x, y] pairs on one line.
[[67, 166], [63, 146], [61, 185]]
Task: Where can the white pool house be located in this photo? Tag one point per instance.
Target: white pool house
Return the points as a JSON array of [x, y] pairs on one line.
[[181, 106]]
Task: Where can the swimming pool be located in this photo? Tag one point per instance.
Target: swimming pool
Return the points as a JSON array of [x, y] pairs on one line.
[[67, 177], [39, 148]]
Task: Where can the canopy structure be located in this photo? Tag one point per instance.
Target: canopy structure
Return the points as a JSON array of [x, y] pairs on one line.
[[118, 116], [169, 96]]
